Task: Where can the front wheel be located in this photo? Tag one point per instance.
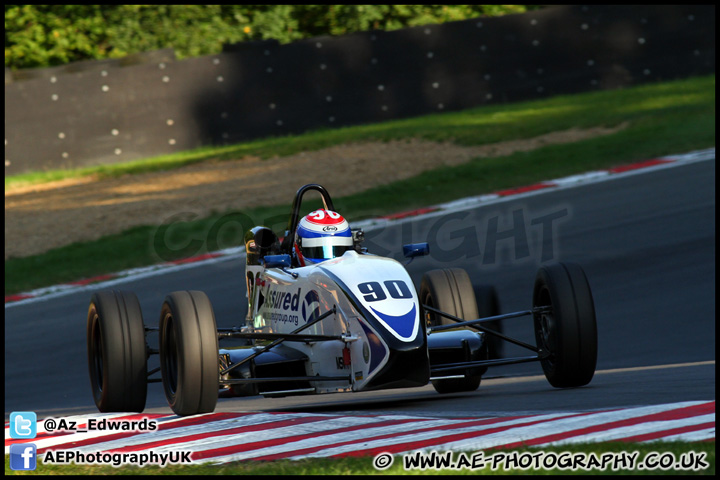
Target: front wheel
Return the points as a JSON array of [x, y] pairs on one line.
[[189, 359], [117, 352], [450, 291], [567, 330]]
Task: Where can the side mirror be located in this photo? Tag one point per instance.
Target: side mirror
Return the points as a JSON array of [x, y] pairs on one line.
[[277, 261], [259, 241], [412, 250]]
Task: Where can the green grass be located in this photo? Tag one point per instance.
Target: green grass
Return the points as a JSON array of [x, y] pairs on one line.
[[476, 126], [364, 465], [662, 119]]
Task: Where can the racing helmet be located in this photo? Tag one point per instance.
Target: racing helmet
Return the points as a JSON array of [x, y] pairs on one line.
[[322, 235]]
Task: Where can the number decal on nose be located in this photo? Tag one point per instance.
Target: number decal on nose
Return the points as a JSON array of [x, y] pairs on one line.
[[374, 292]]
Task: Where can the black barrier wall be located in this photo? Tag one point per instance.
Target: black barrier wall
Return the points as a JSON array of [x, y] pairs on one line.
[[93, 113]]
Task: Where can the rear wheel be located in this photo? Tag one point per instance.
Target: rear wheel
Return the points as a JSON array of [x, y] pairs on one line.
[[568, 331], [117, 352], [189, 353], [450, 290]]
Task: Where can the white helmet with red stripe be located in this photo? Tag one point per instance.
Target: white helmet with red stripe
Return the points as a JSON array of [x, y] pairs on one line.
[[322, 235]]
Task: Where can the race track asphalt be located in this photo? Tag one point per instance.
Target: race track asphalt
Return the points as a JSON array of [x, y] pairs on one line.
[[646, 242]]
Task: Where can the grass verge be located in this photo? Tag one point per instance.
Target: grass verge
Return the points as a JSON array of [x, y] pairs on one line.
[[477, 126], [593, 456], [664, 118]]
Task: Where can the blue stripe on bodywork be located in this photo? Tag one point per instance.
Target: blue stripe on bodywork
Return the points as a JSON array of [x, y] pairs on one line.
[[402, 324], [377, 349]]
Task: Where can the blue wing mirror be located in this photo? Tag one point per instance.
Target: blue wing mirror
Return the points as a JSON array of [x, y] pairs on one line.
[[277, 261], [412, 250]]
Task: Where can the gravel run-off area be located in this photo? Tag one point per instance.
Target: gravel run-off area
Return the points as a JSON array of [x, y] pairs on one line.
[[46, 216]]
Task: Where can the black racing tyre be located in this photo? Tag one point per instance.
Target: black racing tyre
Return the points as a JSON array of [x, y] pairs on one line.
[[117, 352], [569, 330], [489, 306], [189, 359], [450, 290]]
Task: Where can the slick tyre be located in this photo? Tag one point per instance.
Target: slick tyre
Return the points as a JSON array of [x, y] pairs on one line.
[[450, 290], [117, 352], [568, 331], [189, 353]]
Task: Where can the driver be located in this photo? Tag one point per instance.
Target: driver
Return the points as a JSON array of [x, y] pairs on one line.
[[322, 235]]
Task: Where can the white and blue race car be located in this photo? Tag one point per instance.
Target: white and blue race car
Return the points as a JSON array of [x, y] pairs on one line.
[[355, 322]]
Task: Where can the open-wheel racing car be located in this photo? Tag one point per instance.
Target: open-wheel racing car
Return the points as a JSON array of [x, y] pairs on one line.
[[324, 315]]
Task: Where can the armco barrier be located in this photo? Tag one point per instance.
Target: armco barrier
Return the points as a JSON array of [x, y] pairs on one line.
[[93, 113]]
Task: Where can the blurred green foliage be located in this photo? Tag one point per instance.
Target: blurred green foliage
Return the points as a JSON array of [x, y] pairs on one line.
[[49, 35]]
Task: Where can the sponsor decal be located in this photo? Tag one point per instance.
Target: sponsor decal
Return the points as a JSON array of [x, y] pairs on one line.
[[282, 305], [286, 306], [283, 300], [311, 306]]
